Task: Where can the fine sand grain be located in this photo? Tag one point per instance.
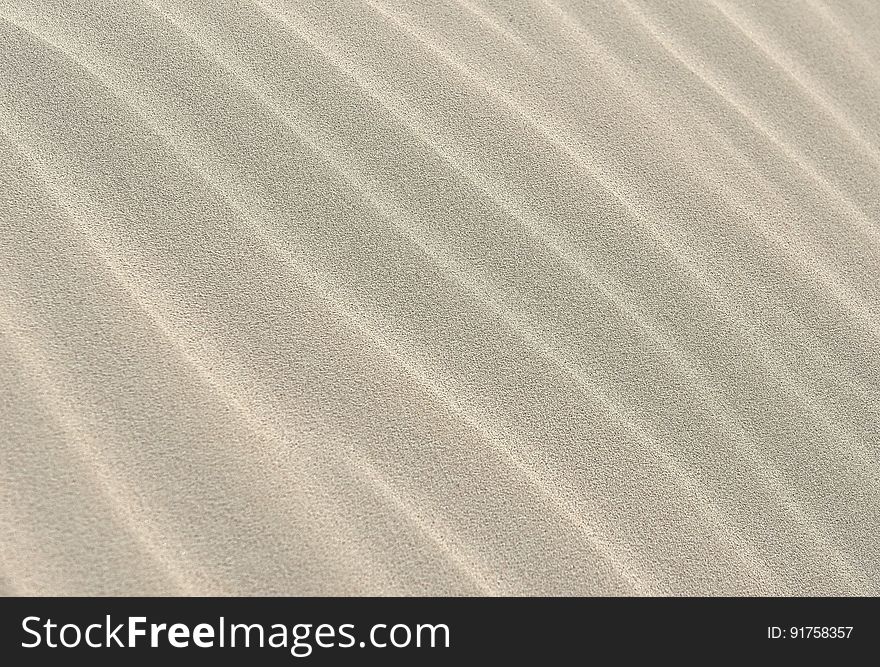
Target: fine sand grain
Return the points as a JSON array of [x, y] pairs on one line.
[[440, 297]]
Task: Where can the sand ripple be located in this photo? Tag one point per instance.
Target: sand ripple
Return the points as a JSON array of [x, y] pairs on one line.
[[454, 297]]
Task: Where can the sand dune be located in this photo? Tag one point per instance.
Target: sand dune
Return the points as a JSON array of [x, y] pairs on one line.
[[449, 297]]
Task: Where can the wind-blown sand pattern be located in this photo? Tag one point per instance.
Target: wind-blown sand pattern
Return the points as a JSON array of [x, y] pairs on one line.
[[440, 297]]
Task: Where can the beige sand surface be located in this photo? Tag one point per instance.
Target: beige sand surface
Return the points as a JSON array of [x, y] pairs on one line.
[[440, 297]]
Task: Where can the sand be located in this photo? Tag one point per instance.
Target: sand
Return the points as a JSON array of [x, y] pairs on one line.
[[449, 297]]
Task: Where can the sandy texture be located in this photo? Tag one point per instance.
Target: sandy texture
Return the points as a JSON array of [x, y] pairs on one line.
[[440, 297]]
